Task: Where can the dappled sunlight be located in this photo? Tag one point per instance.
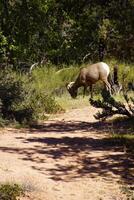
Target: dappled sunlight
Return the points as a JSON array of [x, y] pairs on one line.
[[74, 149]]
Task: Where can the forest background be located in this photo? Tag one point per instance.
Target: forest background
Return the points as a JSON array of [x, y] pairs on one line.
[[58, 35]]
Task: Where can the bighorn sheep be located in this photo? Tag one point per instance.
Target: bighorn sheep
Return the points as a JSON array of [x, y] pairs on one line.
[[89, 76]]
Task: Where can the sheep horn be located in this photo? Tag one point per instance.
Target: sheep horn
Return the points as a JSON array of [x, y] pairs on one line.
[[69, 85]]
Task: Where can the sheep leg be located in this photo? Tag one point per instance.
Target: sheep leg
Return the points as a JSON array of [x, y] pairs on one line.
[[91, 91], [84, 91], [108, 86]]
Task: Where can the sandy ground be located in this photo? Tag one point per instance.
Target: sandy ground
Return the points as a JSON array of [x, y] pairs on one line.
[[69, 157]]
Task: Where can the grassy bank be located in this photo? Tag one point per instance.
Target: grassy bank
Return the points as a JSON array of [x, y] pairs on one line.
[[44, 90]]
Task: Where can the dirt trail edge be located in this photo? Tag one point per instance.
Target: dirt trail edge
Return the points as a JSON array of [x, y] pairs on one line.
[[69, 157]]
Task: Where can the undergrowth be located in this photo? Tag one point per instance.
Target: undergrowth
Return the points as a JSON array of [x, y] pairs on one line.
[[21, 101], [28, 97], [128, 191], [10, 191]]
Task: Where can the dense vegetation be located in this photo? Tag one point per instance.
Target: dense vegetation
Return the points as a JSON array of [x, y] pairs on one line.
[[65, 31], [10, 191], [22, 99], [60, 36]]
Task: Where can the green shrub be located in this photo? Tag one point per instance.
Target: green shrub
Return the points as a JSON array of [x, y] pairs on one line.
[[41, 103], [10, 191], [21, 99], [11, 93]]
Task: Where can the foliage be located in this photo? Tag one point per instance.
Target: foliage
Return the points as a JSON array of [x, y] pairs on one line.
[[28, 97], [21, 101], [11, 92], [41, 104], [10, 191], [65, 31], [3, 43]]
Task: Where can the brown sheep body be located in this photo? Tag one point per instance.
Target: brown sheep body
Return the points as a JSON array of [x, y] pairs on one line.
[[88, 76]]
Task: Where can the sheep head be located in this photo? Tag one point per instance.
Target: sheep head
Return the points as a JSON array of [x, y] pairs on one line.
[[72, 91]]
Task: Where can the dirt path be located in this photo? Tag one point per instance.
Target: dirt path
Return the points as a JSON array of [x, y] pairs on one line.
[[67, 158]]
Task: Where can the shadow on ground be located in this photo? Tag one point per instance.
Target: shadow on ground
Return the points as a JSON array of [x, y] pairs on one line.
[[120, 126], [74, 156]]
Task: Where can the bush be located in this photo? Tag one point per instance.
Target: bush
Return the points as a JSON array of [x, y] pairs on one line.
[[41, 103], [11, 93], [21, 100], [10, 192]]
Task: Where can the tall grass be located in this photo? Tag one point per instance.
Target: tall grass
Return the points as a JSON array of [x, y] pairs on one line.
[[53, 81], [49, 78], [44, 90], [125, 70]]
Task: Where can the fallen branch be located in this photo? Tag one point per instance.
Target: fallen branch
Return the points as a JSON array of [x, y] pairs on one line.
[[111, 107]]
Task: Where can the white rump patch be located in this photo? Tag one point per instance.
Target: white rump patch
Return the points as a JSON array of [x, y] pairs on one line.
[[106, 67]]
